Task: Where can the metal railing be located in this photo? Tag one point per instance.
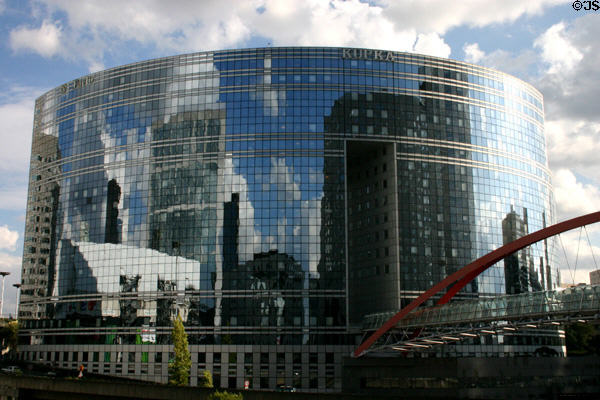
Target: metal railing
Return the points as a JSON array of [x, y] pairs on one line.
[[583, 300]]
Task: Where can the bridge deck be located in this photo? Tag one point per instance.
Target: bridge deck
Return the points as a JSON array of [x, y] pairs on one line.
[[579, 300], [579, 303]]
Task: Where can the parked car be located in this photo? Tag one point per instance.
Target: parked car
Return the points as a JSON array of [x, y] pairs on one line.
[[286, 389], [13, 369]]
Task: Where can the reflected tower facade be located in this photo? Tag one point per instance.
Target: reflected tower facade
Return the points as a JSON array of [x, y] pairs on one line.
[[271, 198]]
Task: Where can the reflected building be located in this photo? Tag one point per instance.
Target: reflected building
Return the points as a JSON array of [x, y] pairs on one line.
[[520, 273], [516, 272], [113, 197], [39, 267], [406, 214], [272, 198], [595, 277], [275, 281]]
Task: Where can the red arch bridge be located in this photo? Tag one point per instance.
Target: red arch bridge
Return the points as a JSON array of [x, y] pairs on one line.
[[417, 330]]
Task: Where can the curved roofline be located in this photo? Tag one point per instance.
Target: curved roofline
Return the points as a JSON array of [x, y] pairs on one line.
[[491, 71]]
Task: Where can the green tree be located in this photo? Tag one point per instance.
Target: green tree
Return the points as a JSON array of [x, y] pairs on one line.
[[179, 368], [225, 395], [205, 380], [582, 339], [9, 335]]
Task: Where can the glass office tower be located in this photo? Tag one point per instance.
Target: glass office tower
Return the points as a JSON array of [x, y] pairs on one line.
[[271, 198]]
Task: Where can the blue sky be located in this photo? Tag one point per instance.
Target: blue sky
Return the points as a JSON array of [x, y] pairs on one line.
[[545, 42]]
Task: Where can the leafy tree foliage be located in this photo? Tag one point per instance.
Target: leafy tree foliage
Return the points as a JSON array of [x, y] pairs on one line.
[[225, 395], [205, 380], [9, 334], [179, 368], [582, 339]]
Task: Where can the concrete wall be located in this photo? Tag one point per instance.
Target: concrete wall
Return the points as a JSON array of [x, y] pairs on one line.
[[43, 388], [372, 378], [489, 378]]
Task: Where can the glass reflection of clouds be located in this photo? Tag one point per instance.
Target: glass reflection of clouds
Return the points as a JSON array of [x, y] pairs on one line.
[[279, 209]]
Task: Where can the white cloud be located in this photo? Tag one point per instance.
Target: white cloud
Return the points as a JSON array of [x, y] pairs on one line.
[[519, 65], [45, 40], [95, 66], [8, 238], [558, 50], [574, 198], [432, 44], [17, 125], [571, 82], [16, 114], [440, 16], [92, 30], [335, 23], [473, 53], [96, 29], [10, 263], [574, 144]]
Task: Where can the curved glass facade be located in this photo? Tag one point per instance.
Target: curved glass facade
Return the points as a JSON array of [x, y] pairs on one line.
[[272, 198]]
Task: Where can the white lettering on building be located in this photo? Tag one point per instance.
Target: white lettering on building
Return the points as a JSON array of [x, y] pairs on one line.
[[372, 55]]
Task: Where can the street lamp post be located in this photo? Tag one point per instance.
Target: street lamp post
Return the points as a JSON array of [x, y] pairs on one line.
[[18, 286], [3, 274]]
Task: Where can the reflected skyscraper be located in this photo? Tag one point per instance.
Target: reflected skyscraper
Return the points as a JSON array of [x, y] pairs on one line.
[[271, 198], [519, 270], [113, 196]]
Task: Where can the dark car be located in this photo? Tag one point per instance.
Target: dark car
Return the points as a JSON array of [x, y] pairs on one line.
[[286, 389]]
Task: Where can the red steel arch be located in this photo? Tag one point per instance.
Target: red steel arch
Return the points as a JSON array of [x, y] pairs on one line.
[[466, 274]]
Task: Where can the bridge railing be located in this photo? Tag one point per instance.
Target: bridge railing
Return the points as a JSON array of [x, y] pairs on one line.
[[578, 300]]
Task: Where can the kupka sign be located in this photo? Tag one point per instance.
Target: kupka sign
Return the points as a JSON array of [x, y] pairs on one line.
[[372, 55], [77, 83]]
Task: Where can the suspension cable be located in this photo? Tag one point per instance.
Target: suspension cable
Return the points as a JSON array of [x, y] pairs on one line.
[[591, 247], [577, 255], [566, 258]]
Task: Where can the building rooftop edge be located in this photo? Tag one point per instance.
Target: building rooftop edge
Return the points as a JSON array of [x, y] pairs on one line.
[[484, 69]]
